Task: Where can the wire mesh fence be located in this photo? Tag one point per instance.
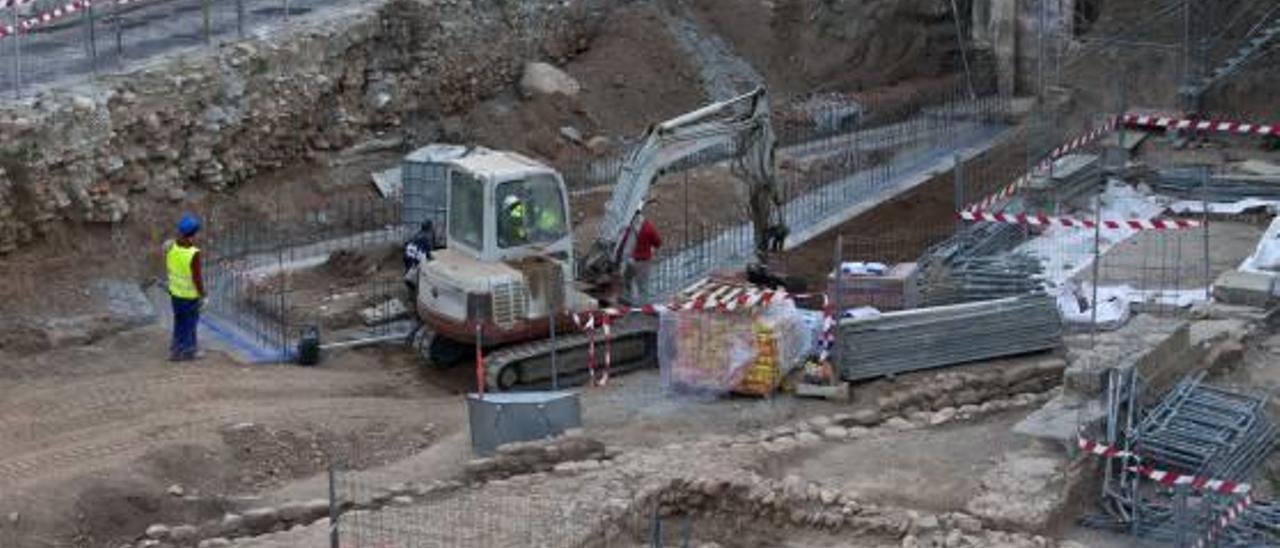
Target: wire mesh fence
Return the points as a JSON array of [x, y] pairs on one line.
[[336, 269]]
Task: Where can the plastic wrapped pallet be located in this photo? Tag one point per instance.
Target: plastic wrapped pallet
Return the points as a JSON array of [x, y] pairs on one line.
[[715, 352]]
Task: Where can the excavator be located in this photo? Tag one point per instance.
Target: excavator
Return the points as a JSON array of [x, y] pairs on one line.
[[512, 291]]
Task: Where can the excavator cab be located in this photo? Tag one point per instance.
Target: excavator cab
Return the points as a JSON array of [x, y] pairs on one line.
[[508, 262]]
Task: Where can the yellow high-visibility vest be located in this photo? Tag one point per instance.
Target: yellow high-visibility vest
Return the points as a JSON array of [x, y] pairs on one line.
[[182, 282]]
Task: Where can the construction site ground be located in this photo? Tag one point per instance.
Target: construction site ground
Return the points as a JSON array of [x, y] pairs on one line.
[[101, 437]]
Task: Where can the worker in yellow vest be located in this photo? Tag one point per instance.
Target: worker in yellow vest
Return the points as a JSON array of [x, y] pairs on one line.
[[186, 288]]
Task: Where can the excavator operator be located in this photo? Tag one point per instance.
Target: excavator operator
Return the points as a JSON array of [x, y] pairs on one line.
[[547, 222], [512, 231]]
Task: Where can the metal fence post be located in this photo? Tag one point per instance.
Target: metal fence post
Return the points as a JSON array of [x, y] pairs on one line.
[[17, 54], [205, 19], [1097, 259], [1204, 226], [333, 507], [836, 304], [240, 18], [93, 43]]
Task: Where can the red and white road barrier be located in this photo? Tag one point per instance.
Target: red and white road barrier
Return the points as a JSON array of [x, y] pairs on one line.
[[1066, 148], [1216, 126], [1046, 220], [1228, 516], [1164, 477]]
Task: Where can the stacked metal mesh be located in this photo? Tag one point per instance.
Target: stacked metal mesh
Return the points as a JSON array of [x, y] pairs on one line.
[[1207, 431], [1194, 429], [1189, 184], [934, 337], [976, 265]]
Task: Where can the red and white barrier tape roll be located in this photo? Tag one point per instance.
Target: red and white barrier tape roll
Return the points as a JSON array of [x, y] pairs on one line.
[[1045, 220], [1225, 487], [1167, 122]]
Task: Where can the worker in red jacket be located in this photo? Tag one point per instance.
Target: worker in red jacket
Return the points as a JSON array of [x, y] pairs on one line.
[[636, 272]]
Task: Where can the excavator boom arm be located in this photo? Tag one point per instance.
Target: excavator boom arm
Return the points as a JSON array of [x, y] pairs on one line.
[[742, 123]]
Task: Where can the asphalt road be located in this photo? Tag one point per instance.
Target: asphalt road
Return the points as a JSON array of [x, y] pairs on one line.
[[60, 51]]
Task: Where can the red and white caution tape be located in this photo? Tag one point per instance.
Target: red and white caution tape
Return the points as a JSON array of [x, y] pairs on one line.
[[1046, 220], [1102, 450], [44, 18], [1228, 516], [1066, 148], [1167, 122], [1170, 479], [12, 3]]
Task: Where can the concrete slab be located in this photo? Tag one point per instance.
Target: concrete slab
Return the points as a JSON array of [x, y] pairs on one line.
[[1245, 288], [1160, 349], [1060, 418]]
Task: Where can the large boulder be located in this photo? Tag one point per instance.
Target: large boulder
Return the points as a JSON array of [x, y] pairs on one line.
[[544, 79]]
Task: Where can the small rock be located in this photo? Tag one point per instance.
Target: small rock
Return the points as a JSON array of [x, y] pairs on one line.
[[232, 524], [899, 423], [216, 542], [598, 145], [317, 508], [856, 432], [945, 415], [176, 490], [572, 134], [910, 541], [183, 534], [927, 522], [820, 422], [83, 104], [864, 417], [835, 432], [14, 517], [969, 410], [261, 520], [966, 522], [402, 500], [544, 79], [158, 531], [808, 438], [293, 511]]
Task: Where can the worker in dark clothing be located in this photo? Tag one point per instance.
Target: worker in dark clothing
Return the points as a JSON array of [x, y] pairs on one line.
[[417, 250], [186, 289], [635, 274]]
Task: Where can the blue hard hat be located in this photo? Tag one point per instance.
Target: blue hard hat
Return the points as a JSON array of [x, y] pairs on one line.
[[189, 224]]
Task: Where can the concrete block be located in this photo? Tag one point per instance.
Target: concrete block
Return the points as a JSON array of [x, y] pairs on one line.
[[1246, 288]]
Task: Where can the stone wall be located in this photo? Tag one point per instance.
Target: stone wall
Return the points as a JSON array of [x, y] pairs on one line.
[[215, 119]]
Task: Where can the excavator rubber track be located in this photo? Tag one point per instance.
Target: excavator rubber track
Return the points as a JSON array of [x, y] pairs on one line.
[[528, 366]]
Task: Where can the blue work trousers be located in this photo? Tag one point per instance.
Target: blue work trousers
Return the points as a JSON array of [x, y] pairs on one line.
[[186, 317]]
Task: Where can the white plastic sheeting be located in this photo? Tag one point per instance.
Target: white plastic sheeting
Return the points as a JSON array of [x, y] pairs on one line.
[[1266, 256]]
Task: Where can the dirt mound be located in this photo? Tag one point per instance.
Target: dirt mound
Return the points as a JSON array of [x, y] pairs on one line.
[[267, 456], [821, 45], [348, 264], [634, 74]]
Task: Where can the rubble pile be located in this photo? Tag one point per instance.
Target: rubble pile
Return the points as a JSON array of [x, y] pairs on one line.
[[212, 120]]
